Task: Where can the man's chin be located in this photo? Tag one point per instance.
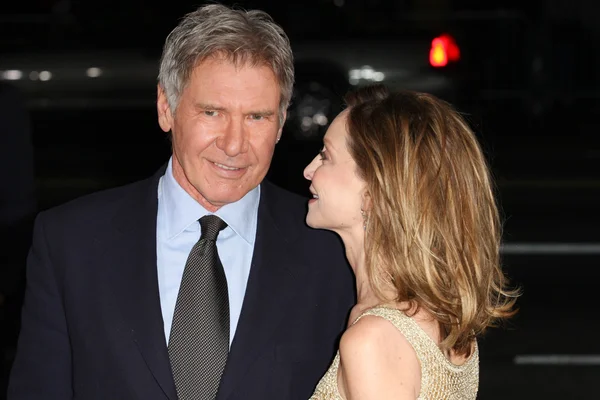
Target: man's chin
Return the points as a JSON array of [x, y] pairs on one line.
[[222, 199]]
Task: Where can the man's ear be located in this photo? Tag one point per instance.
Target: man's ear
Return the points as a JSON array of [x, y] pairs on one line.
[[279, 133], [165, 118]]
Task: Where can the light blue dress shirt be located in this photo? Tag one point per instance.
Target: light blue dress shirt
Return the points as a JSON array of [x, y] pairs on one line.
[[177, 232]]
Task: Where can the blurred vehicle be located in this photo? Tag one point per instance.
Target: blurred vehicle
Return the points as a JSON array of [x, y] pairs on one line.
[[327, 68]]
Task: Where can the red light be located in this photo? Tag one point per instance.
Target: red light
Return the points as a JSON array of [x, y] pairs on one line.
[[443, 50], [438, 57]]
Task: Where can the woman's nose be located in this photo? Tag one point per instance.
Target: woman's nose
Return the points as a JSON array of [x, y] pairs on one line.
[[310, 169]]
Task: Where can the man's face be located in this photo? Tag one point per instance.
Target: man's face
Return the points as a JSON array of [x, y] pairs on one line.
[[224, 130]]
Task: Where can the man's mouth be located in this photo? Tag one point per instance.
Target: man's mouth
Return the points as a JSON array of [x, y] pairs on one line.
[[226, 167]]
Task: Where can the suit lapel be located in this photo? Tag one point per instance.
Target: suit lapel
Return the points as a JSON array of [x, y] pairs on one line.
[[131, 258], [276, 276]]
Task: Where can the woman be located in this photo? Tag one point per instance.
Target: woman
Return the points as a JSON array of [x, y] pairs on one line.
[[403, 181]]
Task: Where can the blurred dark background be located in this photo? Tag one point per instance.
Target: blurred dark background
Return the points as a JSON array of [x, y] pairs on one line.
[[77, 115]]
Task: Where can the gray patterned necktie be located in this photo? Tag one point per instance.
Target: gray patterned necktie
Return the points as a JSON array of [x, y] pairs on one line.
[[199, 340]]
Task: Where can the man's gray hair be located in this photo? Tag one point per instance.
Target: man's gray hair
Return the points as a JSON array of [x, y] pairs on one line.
[[243, 37]]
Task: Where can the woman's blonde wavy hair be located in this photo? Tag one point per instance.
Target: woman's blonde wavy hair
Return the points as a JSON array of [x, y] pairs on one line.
[[433, 229]]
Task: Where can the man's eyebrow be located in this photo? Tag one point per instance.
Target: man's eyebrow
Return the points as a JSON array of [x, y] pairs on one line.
[[208, 106], [266, 113]]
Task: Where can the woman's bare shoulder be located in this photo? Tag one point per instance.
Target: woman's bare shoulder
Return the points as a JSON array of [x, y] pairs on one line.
[[376, 361]]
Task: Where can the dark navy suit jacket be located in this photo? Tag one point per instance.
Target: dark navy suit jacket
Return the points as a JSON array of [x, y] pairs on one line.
[[92, 325]]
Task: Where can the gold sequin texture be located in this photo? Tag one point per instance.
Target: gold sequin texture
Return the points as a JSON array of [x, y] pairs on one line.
[[440, 379]]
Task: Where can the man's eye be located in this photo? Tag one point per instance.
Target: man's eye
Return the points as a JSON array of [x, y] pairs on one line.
[[323, 155], [210, 113], [257, 117]]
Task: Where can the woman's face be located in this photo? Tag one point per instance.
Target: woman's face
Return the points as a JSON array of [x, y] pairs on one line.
[[336, 187]]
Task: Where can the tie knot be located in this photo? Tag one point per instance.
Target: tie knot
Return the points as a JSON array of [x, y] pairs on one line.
[[210, 226]]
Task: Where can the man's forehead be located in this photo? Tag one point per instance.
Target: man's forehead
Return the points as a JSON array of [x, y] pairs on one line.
[[239, 60]]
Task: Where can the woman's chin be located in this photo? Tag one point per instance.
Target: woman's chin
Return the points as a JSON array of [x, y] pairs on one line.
[[312, 222]]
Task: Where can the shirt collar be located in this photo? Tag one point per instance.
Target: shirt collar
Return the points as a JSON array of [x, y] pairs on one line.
[[182, 212]]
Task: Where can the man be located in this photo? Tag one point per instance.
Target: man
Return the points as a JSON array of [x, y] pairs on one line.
[[111, 276]]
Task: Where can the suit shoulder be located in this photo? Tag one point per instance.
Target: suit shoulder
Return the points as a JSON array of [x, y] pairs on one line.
[[95, 206]]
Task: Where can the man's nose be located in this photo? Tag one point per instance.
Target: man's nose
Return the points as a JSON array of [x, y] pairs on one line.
[[234, 139]]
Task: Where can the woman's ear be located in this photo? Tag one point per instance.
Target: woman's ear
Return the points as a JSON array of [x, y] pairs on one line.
[[367, 203]]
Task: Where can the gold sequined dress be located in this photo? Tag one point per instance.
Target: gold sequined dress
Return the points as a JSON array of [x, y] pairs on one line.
[[440, 378]]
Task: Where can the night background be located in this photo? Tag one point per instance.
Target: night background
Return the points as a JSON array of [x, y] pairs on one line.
[[525, 74]]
